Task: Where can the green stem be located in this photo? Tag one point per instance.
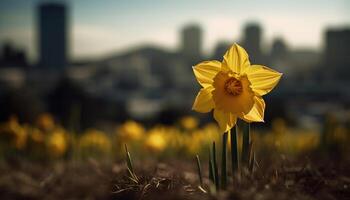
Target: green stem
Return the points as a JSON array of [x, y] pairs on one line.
[[251, 163], [216, 172], [223, 161], [246, 143], [234, 151], [250, 152], [211, 168]]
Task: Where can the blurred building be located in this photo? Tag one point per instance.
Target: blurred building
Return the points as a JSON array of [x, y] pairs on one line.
[[12, 57], [279, 49], [337, 52], [191, 42], [252, 42], [52, 35]]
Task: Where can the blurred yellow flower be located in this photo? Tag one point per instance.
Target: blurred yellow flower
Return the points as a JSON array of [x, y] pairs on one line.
[[94, 141], [130, 130], [57, 143], [21, 138], [233, 88], [36, 135], [155, 141], [189, 122], [13, 133], [45, 122]]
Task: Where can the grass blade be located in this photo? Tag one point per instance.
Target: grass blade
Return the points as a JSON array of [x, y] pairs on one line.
[[128, 159], [223, 161], [199, 171], [130, 166]]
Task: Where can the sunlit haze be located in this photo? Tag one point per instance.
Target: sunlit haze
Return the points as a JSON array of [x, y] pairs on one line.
[[99, 28]]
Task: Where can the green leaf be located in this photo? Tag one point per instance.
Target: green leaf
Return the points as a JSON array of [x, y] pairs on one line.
[[130, 166]]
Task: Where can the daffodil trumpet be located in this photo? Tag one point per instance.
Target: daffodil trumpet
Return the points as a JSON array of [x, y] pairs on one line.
[[233, 88]]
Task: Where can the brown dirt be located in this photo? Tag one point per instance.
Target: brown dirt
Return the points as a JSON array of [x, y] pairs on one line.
[[302, 178]]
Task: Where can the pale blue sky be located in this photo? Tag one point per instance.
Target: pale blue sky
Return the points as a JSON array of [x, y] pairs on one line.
[[100, 27]]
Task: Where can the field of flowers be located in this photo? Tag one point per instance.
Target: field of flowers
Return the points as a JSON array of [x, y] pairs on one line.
[[44, 160], [48, 141]]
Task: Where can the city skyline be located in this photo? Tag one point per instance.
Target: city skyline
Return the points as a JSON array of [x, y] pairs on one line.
[[104, 28]]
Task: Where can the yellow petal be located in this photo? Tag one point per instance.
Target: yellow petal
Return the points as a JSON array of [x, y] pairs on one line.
[[256, 114], [235, 59], [262, 79], [204, 100], [225, 120], [206, 71], [229, 103]]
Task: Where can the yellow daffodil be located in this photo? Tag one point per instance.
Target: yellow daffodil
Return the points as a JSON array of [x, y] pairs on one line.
[[233, 88]]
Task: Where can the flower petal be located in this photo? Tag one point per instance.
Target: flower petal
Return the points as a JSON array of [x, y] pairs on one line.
[[262, 79], [256, 114], [235, 59], [206, 71], [225, 120], [204, 101], [230, 103]]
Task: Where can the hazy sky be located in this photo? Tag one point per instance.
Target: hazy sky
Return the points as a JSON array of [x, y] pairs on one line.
[[100, 27]]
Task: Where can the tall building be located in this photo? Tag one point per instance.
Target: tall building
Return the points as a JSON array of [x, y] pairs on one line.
[[52, 35], [12, 57], [191, 42], [252, 42], [337, 47], [279, 49], [337, 53]]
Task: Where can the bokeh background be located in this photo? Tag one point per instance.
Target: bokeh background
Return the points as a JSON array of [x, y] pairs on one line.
[[79, 79], [106, 73]]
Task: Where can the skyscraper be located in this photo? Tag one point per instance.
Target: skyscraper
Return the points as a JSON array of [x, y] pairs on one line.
[[279, 49], [192, 42], [337, 46], [52, 35], [252, 42], [336, 52]]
